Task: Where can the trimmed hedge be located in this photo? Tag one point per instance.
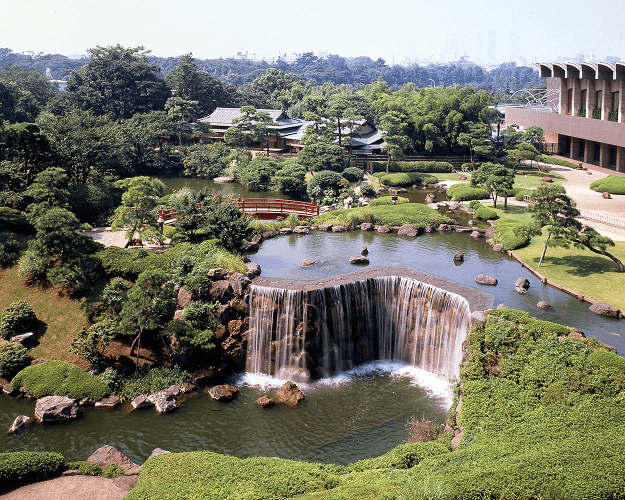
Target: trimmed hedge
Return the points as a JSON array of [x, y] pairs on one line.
[[464, 192], [522, 192], [436, 167], [613, 184], [486, 213], [352, 174], [24, 466], [59, 378], [12, 358], [550, 160], [407, 179]]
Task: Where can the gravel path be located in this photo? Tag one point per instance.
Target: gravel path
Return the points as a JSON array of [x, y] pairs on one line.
[[110, 238]]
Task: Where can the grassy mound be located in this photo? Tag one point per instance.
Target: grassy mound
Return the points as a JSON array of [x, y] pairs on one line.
[[464, 192], [61, 379], [416, 214], [388, 200], [513, 234], [551, 160], [210, 476], [613, 184]]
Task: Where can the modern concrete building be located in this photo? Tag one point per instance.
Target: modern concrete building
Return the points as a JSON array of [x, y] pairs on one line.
[[586, 118]]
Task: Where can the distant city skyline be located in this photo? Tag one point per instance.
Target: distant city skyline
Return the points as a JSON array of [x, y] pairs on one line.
[[399, 31]]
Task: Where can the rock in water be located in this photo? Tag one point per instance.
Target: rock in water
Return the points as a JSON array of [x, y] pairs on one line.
[[484, 279], [289, 394], [308, 262], [604, 309], [20, 422], [458, 257], [265, 402], [359, 259], [522, 283], [107, 455], [544, 305], [55, 408], [223, 392], [364, 251]]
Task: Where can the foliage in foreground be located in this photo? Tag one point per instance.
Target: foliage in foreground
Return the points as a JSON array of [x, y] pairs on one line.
[[543, 417], [61, 379], [24, 466]]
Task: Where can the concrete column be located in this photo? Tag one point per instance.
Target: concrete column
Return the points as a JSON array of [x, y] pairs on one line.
[[577, 96], [591, 97], [574, 148], [604, 157], [621, 98], [620, 159], [588, 150], [606, 105]]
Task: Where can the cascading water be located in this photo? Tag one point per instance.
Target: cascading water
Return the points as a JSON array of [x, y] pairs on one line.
[[301, 335]]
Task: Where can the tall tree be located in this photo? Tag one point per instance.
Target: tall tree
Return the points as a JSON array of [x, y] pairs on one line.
[[498, 179], [118, 81], [552, 208], [393, 125]]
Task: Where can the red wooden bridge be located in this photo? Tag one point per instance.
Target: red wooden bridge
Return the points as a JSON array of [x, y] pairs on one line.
[[260, 208]]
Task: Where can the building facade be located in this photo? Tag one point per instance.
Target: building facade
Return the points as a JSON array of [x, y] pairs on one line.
[[589, 122]]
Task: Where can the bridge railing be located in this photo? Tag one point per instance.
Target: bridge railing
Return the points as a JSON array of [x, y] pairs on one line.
[[278, 207]]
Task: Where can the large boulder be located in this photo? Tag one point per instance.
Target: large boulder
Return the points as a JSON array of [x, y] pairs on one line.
[[248, 246], [604, 309], [221, 291], [163, 401], [218, 274], [366, 226], [338, 229], [108, 402], [184, 298], [359, 259], [301, 230], [109, 455], [252, 269], [27, 339], [478, 317], [55, 408], [324, 227], [223, 392], [141, 401], [383, 229], [408, 230], [458, 257], [286, 230], [484, 279], [239, 283], [544, 305], [522, 283], [497, 247], [308, 262], [289, 394]]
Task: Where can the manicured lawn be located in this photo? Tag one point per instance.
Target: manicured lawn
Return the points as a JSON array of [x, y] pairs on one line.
[[586, 272], [63, 317], [532, 177]]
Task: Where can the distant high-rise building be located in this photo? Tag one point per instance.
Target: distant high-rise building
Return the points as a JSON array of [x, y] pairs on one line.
[[512, 47], [492, 46]]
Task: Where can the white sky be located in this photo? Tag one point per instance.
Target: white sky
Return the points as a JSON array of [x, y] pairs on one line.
[[391, 29]]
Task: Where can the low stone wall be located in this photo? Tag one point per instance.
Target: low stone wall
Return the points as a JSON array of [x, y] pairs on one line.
[[477, 299]]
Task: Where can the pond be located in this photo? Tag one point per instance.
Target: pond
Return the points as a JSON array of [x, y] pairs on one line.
[[282, 256], [344, 419]]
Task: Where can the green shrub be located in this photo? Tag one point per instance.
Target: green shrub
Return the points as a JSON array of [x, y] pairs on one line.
[[91, 202], [61, 379], [379, 167], [474, 204], [352, 174], [326, 186], [367, 190], [550, 160], [486, 213], [467, 167], [12, 358], [89, 469], [464, 192], [24, 466], [17, 318], [417, 214], [522, 192], [113, 470], [154, 380], [407, 179], [608, 359], [403, 456], [388, 200], [9, 248], [612, 184]]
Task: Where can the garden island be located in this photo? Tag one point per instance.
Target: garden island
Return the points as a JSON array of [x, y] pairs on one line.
[[302, 289]]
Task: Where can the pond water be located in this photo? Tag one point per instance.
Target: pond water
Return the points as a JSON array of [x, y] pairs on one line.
[[281, 257], [344, 419]]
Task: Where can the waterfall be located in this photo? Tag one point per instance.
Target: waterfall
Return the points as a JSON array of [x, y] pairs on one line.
[[301, 335]]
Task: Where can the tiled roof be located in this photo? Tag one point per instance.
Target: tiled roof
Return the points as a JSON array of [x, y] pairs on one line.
[[224, 116]]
